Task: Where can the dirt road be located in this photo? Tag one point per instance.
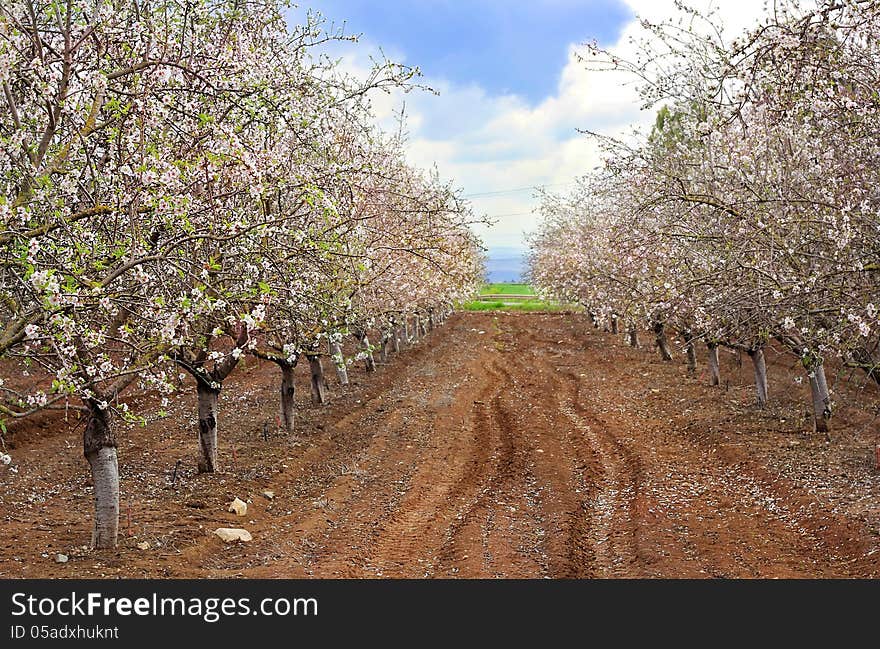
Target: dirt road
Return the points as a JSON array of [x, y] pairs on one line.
[[510, 445]]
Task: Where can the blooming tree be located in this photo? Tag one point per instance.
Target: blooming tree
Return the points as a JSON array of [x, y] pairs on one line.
[[176, 184], [749, 213]]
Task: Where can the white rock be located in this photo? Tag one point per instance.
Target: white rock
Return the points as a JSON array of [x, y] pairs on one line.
[[61, 558], [238, 506], [269, 494], [230, 534], [143, 545]]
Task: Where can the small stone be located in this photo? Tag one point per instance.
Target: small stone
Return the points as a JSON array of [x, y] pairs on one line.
[[143, 545], [61, 558], [238, 506], [231, 534], [269, 494]]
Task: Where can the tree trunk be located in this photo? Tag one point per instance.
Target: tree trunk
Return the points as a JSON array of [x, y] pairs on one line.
[[431, 321], [417, 328], [714, 367], [395, 338], [406, 330], [208, 398], [615, 329], [757, 356], [691, 350], [319, 383], [633, 336], [369, 362], [288, 401], [662, 343], [339, 362], [821, 399], [99, 448], [386, 345]]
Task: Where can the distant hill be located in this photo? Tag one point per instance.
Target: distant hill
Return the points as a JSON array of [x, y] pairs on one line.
[[505, 264]]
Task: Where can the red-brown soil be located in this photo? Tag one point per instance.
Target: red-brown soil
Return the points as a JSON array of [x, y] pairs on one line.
[[504, 445]]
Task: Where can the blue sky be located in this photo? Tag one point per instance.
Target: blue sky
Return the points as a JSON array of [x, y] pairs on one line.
[[506, 47]]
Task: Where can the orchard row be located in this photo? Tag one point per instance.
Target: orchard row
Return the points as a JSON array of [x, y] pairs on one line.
[[751, 213], [183, 183]]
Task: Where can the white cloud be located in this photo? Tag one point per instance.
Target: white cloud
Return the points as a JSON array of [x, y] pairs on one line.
[[488, 143]]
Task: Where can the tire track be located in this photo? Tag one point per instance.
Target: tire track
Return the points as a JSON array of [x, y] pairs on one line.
[[563, 465], [611, 510], [486, 537], [428, 512]]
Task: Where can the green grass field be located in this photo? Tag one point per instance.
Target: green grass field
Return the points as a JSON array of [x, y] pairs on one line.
[[512, 304], [520, 305], [507, 289]]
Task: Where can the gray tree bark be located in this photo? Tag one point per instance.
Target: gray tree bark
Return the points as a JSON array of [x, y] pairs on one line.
[[417, 328], [99, 448], [757, 356], [432, 323], [406, 337], [193, 361], [661, 341], [615, 329], [369, 361], [714, 367], [395, 337], [339, 362], [288, 400], [821, 399], [208, 398], [319, 383], [633, 336], [691, 351], [384, 346]]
